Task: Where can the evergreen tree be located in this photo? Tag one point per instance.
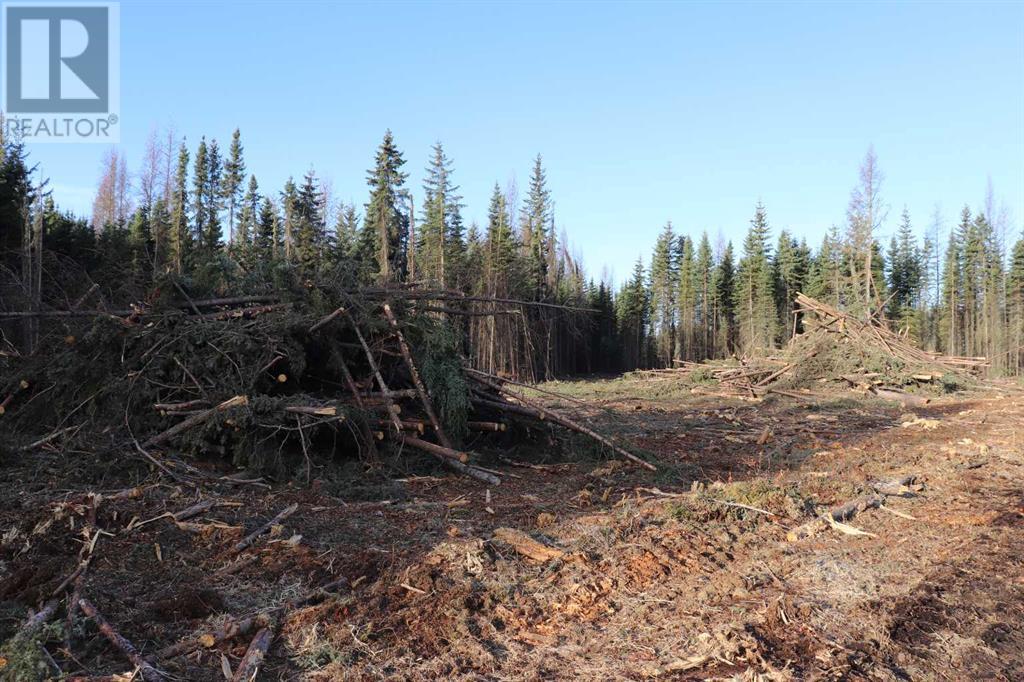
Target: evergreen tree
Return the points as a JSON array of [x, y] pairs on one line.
[[632, 314], [905, 275], [685, 298], [180, 236], [952, 277], [384, 236], [140, 240], [289, 211], [243, 245], [754, 294], [267, 242], [703, 279], [160, 227], [200, 185], [345, 232], [309, 229], [536, 218], [663, 286], [824, 279], [1015, 307], [234, 176], [725, 307], [440, 238], [210, 241], [501, 247], [790, 266]]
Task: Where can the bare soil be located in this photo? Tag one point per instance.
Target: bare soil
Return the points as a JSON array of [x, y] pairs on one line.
[[683, 574]]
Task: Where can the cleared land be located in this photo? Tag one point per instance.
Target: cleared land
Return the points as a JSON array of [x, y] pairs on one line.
[[575, 568]]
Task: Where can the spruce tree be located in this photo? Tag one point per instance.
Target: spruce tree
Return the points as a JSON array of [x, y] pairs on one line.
[[309, 230], [180, 235], [1015, 307], [243, 245], [663, 286], [384, 236], [289, 211], [790, 266], [685, 298], [160, 227], [346, 231], [234, 176], [140, 240], [703, 276], [211, 237], [725, 307], [632, 313], [536, 219], [754, 294], [200, 183], [441, 225], [501, 246], [952, 278], [266, 244]]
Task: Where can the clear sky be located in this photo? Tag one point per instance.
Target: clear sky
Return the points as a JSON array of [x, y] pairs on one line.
[[644, 113]]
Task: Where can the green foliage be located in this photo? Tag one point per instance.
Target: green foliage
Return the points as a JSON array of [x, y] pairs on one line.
[[24, 657], [437, 357], [721, 501], [754, 294], [385, 234]]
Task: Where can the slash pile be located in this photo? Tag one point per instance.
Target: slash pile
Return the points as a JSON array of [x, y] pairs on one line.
[[260, 379], [834, 346]]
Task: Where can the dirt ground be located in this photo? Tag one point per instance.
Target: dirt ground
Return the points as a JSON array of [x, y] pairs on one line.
[[614, 573]]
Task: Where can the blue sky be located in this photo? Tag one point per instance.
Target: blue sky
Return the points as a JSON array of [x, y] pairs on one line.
[[690, 112]]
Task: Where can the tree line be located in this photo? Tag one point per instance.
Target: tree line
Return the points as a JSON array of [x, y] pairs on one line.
[[198, 219]]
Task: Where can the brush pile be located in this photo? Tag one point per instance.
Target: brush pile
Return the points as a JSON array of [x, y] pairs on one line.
[[262, 380], [867, 354], [742, 379], [834, 346]]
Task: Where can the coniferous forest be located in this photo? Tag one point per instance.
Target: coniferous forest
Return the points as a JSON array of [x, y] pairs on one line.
[[197, 219]]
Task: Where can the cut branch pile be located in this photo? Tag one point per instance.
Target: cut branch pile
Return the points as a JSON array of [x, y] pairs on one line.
[[748, 379], [871, 334], [835, 346], [341, 372]]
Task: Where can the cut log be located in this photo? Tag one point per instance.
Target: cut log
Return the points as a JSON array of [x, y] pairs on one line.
[[451, 459], [436, 450], [495, 427], [314, 410]]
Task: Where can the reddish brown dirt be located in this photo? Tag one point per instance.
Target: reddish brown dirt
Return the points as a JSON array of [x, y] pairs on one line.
[[650, 582]]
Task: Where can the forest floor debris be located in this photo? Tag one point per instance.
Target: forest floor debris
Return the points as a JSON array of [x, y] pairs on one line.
[[592, 569]]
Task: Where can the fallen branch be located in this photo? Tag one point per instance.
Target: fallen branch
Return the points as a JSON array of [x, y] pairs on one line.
[[148, 672], [249, 539], [209, 639], [567, 423], [249, 666], [451, 458], [195, 420]]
